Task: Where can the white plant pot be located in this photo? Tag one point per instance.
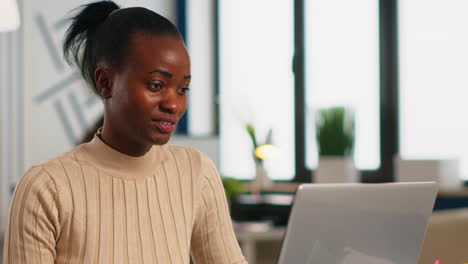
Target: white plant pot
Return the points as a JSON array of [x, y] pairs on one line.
[[336, 170]]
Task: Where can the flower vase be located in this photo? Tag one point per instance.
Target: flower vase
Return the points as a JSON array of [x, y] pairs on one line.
[[261, 182]]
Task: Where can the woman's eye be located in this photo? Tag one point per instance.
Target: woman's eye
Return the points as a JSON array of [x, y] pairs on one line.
[[156, 86], [184, 90]]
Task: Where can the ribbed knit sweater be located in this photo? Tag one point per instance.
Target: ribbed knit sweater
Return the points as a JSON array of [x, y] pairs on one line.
[[97, 205]]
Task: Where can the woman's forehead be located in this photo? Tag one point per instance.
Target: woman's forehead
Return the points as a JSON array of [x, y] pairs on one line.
[[166, 49]]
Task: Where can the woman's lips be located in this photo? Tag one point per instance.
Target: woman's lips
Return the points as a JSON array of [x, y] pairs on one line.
[[165, 125]]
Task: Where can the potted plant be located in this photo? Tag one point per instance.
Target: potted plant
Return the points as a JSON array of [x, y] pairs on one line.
[[335, 142]]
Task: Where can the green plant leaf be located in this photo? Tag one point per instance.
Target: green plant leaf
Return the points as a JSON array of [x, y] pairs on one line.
[[251, 131], [335, 131], [233, 187]]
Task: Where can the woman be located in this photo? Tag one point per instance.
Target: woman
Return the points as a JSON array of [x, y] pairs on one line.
[[125, 197]]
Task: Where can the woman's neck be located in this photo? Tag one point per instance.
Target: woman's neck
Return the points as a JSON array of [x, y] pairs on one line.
[[123, 144]]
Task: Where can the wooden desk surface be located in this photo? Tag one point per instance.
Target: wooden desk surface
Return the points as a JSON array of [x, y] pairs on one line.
[[458, 192]]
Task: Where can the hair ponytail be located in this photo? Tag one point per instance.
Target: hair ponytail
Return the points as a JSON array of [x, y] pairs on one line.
[[96, 34], [78, 43]]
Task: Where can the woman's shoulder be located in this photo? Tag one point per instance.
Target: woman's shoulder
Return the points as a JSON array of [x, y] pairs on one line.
[[46, 182], [35, 181], [54, 170]]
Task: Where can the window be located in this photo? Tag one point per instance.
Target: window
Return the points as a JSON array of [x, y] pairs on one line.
[[434, 80], [256, 83], [200, 42], [342, 68]]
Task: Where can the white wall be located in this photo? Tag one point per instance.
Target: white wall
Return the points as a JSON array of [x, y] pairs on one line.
[[11, 116]]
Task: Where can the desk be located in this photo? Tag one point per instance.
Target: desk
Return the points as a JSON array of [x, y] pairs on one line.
[[248, 241]]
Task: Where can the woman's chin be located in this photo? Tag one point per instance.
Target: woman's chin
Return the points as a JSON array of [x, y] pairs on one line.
[[160, 139]]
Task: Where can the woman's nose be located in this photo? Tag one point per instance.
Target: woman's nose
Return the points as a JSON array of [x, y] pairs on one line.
[[170, 102]]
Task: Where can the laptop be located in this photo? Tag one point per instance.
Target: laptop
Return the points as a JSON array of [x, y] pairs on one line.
[[358, 223]]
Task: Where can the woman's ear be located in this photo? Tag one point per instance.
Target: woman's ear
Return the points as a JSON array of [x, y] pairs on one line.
[[104, 82]]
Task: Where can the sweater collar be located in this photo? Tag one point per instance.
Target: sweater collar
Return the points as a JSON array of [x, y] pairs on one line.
[[118, 164]]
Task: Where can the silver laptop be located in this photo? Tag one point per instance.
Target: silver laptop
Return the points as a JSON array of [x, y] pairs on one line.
[[358, 223]]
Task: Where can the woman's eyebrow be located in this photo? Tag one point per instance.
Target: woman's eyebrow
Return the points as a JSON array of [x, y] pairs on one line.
[[165, 73]]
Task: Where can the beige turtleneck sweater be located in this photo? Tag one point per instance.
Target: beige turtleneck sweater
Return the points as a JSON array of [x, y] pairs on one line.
[[96, 205]]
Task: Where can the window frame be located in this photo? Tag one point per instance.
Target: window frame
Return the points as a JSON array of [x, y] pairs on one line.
[[388, 49], [389, 97]]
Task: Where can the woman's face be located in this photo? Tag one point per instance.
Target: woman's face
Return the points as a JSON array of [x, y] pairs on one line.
[[149, 93]]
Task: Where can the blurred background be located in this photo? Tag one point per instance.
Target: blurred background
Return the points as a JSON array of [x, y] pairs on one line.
[[399, 66]]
